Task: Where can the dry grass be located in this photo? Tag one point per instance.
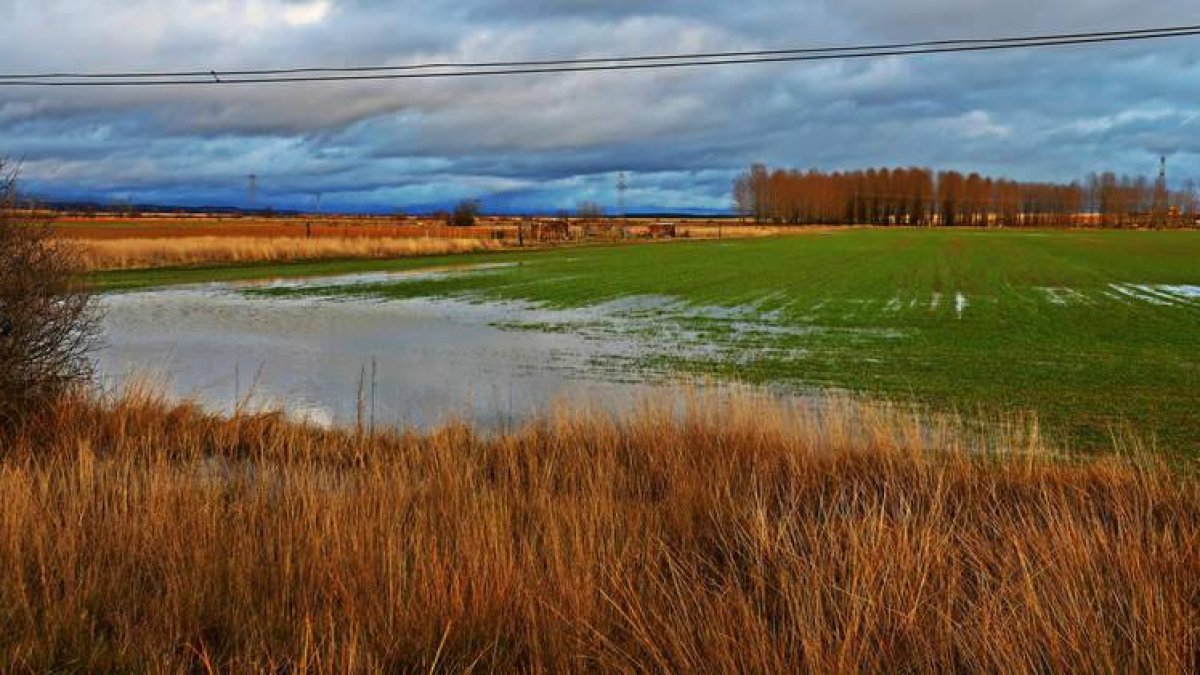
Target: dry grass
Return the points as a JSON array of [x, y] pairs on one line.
[[735, 537], [338, 227], [737, 230], [137, 253]]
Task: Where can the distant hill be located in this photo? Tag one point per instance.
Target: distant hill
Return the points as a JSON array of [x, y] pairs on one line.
[[111, 209], [125, 209]]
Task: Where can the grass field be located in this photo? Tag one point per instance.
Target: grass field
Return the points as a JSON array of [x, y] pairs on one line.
[[1095, 331]]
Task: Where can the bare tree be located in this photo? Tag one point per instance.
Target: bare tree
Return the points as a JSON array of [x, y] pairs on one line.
[[916, 196], [589, 211], [743, 197], [465, 213], [48, 322], [1189, 198]]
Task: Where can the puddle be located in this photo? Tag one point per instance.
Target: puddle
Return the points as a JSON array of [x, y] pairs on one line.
[[1063, 295], [413, 362], [1188, 292], [423, 274], [425, 361], [1140, 293], [960, 304], [1161, 295], [1168, 295]]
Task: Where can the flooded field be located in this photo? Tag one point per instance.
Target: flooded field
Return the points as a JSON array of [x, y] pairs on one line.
[[409, 362], [1096, 332]]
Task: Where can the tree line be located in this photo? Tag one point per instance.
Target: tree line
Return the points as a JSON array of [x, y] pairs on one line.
[[923, 197]]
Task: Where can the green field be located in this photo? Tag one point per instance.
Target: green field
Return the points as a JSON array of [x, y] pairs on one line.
[[1096, 331]]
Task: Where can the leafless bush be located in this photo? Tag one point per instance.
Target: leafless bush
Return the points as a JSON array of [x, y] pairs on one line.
[[47, 318], [466, 213]]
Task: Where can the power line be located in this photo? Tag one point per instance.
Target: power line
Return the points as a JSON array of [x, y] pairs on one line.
[[529, 67], [213, 77], [1173, 31]]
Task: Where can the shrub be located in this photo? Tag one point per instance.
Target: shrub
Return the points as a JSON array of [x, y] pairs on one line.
[[47, 317], [465, 213]]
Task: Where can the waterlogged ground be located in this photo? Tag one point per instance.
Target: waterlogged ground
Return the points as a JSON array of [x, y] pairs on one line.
[[1095, 331], [414, 362]]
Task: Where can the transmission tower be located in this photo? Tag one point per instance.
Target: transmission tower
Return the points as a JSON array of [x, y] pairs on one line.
[[622, 188], [251, 190], [1161, 196]]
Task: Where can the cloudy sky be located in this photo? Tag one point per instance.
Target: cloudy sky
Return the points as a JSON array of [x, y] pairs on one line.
[[548, 142]]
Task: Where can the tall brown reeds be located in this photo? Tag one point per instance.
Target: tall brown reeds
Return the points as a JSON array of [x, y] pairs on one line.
[[736, 536], [102, 254]]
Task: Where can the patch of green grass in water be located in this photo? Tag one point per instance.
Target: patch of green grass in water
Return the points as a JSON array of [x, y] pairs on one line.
[[140, 279]]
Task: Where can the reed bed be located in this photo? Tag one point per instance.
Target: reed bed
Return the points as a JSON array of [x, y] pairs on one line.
[[108, 254], [732, 536]]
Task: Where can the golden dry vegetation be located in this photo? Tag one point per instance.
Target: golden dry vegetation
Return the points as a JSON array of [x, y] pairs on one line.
[[210, 225], [732, 536], [116, 243], [107, 254]]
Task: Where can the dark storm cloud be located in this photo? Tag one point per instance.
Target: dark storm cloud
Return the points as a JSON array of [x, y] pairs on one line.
[[553, 140]]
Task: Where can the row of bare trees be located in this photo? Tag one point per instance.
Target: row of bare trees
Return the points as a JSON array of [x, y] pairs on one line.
[[917, 196], [1124, 201]]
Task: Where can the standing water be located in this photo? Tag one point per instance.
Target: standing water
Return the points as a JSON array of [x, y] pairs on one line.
[[415, 362]]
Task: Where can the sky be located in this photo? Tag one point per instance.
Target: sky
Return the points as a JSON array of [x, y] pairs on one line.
[[548, 142]]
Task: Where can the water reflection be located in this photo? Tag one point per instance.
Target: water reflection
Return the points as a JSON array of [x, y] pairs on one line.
[[413, 362]]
